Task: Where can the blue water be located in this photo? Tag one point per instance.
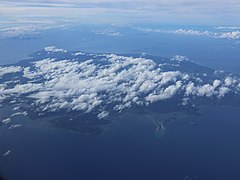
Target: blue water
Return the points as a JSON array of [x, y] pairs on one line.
[[204, 147]]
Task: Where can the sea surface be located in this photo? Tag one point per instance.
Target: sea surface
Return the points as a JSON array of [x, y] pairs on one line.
[[203, 147]]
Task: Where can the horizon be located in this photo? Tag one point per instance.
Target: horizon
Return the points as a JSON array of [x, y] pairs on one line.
[[125, 12]]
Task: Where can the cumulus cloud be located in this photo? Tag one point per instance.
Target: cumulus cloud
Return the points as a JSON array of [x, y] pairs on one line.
[[205, 90], [165, 93], [217, 88], [223, 91], [216, 83], [229, 81], [179, 58], [9, 70]]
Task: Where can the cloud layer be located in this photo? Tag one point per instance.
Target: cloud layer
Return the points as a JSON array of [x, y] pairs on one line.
[[120, 11]]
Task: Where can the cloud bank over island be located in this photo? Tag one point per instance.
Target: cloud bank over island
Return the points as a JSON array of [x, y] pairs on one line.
[[61, 80]]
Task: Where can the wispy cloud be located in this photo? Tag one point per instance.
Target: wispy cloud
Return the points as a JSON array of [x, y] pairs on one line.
[[219, 35], [26, 31], [107, 32], [228, 27]]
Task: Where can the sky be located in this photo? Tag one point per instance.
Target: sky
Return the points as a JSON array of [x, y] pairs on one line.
[[175, 12]]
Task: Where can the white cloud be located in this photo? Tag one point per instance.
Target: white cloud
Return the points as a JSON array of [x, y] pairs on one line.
[[193, 32], [207, 90], [14, 126], [23, 89], [229, 81], [219, 35], [223, 91], [53, 49], [169, 76], [21, 32], [27, 31], [107, 32], [230, 35], [228, 27], [2, 96], [9, 70], [8, 152], [179, 58], [216, 83], [79, 53], [6, 121], [165, 93], [103, 114], [190, 89], [20, 114]]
